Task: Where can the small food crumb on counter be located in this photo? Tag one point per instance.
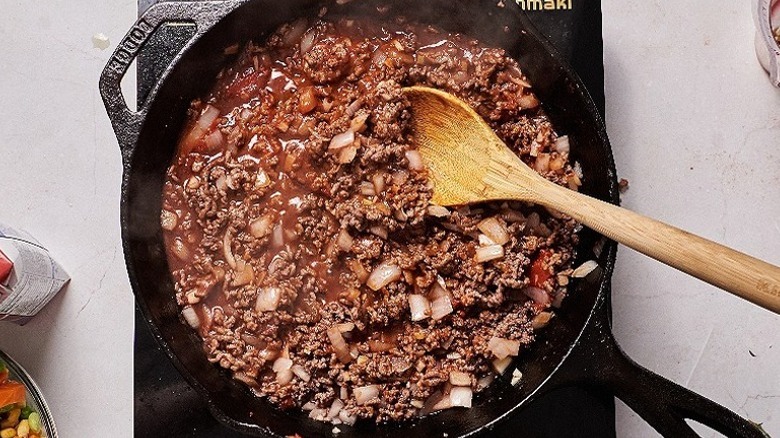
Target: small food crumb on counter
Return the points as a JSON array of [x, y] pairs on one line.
[[100, 41], [623, 185]]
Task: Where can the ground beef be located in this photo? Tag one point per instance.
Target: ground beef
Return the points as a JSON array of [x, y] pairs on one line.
[[295, 192]]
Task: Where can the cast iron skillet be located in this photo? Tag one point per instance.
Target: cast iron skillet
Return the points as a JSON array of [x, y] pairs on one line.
[[578, 348]]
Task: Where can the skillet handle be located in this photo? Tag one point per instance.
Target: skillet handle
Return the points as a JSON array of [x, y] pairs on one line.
[[126, 122], [598, 360]]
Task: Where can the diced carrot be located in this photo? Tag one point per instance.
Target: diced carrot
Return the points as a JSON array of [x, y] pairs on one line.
[[11, 393]]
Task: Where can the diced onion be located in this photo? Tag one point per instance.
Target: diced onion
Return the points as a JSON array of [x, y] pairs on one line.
[[558, 300], [343, 394], [541, 320], [341, 141], [309, 406], [214, 140], [227, 250], [358, 123], [282, 364], [441, 307], [168, 220], [268, 355], [379, 231], [301, 372], [495, 229], [528, 101], [277, 236], [378, 180], [578, 170], [354, 107], [584, 269], [535, 149], [262, 179], [437, 211], [207, 118], [357, 268], [296, 30], [502, 348], [540, 296], [347, 154], [340, 346], [419, 306], [488, 253], [221, 183], [346, 418], [284, 377], [517, 376], [180, 249], [415, 160], [542, 163], [307, 41], [384, 274], [364, 394], [500, 365], [335, 408], [345, 327], [268, 299], [245, 273], [262, 226], [485, 240], [461, 396], [282, 367], [562, 144], [344, 240], [190, 316], [367, 189], [436, 402], [459, 378], [439, 289], [318, 414]]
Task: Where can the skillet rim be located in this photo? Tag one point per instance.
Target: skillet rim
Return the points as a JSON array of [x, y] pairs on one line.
[[604, 288]]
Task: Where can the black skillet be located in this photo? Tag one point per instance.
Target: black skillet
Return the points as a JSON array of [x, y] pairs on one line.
[[577, 349]]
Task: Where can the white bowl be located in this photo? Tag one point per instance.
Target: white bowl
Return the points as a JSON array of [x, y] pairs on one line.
[[767, 18]]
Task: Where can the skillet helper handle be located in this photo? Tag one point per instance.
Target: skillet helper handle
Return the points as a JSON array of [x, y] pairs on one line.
[[126, 122], [742, 275], [598, 360]]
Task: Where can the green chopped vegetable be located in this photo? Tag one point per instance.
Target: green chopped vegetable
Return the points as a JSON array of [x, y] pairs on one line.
[[26, 411], [35, 422], [2, 367], [5, 409]]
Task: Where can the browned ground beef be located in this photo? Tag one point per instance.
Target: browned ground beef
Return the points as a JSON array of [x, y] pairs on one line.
[[296, 178]]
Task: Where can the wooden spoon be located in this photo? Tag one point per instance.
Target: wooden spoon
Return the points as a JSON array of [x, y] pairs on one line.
[[468, 163]]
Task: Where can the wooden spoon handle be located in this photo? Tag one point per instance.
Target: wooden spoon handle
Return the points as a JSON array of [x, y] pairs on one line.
[[745, 276]]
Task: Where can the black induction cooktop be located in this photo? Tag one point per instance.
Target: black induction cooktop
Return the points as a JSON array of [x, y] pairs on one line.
[[166, 405]]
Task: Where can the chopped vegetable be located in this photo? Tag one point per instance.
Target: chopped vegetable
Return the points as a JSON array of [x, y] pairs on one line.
[[17, 419], [11, 393], [540, 273]]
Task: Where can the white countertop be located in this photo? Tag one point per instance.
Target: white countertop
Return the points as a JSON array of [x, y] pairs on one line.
[[694, 125]]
